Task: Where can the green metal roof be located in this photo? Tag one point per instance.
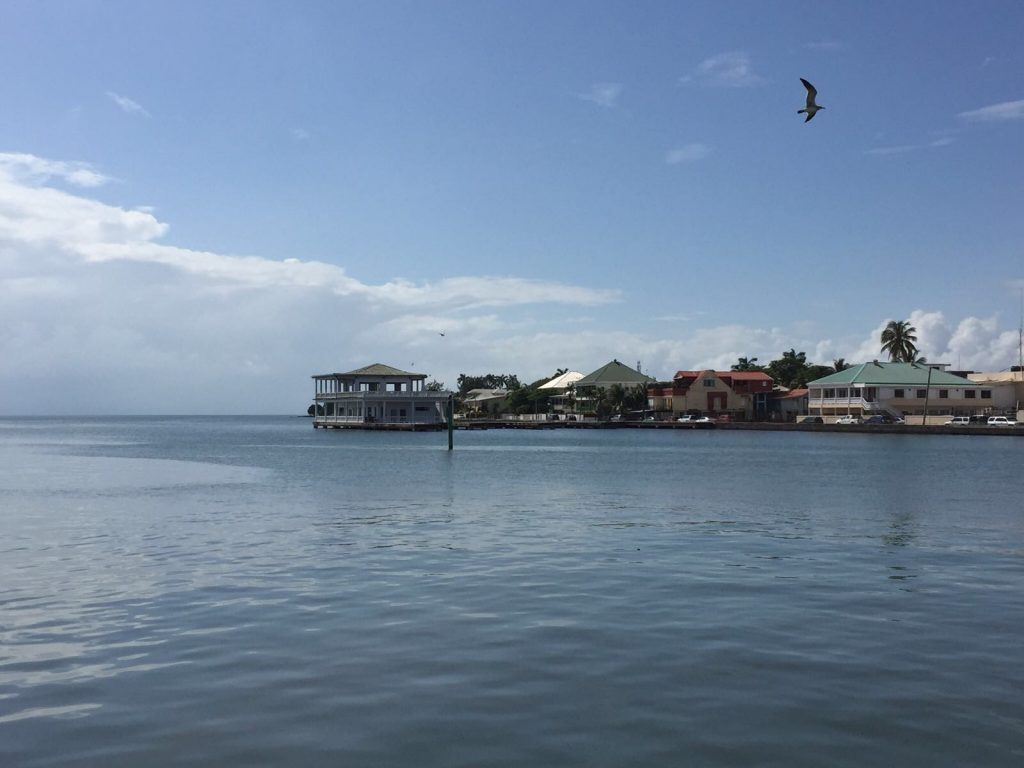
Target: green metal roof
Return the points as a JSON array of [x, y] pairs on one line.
[[892, 374], [613, 373], [377, 369]]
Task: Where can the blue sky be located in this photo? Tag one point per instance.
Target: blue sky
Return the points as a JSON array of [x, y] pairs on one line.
[[198, 199]]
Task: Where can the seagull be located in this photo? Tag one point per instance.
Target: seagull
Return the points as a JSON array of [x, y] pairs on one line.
[[811, 109], [441, 332]]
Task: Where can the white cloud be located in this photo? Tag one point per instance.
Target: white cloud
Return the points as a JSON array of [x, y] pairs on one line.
[[130, 106], [99, 315], [301, 134], [31, 169], [603, 94], [971, 343], [730, 70], [1007, 110], [687, 154]]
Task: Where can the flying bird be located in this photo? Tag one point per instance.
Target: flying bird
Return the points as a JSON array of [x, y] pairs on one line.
[[812, 108], [441, 332]]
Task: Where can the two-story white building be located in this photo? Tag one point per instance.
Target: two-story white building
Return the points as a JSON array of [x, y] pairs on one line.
[[376, 395], [903, 390]]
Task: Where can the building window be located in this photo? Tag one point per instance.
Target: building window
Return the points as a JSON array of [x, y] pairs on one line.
[[829, 393], [943, 394], [922, 394], [898, 393], [986, 394], [969, 394], [709, 382], [840, 393]]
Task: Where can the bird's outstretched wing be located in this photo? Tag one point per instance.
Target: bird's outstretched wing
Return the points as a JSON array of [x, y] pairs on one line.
[[812, 92]]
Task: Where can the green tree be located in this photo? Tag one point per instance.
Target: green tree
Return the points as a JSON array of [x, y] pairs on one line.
[[839, 364], [747, 364], [530, 399], [570, 398], [636, 398], [898, 341], [789, 370], [434, 386], [792, 370], [467, 382]]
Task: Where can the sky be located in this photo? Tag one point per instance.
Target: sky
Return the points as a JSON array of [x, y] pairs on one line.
[[202, 204]]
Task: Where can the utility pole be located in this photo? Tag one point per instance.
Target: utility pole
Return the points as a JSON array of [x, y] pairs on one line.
[[451, 421], [927, 392]]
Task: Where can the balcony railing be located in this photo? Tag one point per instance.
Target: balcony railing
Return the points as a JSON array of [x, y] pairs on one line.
[[363, 395]]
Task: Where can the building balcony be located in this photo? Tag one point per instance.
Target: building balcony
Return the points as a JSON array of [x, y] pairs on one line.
[[369, 395]]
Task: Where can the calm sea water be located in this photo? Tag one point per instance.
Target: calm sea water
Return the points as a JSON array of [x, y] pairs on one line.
[[253, 592]]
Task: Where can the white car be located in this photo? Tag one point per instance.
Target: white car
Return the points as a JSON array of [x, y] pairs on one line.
[[1001, 421], [959, 421], [686, 418], [848, 420]]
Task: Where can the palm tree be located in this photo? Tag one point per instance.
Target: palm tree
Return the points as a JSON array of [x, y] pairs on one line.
[[840, 364], [746, 364], [617, 398], [898, 341]]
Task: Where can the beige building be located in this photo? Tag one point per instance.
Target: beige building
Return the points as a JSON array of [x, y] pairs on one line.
[[1007, 390], [901, 390], [738, 394]]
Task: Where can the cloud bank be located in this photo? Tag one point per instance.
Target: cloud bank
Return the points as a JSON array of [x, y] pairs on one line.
[[100, 314]]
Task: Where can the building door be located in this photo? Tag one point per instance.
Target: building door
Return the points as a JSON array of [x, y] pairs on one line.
[[717, 401]]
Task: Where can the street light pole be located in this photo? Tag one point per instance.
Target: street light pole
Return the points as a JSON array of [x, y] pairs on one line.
[[927, 392]]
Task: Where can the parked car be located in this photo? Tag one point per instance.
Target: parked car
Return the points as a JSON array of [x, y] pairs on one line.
[[811, 420], [1001, 421], [958, 421], [849, 420], [686, 418], [704, 420], [882, 418]]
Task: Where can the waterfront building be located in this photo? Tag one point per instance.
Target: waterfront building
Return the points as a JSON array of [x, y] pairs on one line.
[[485, 402], [1007, 390], [901, 390], [606, 377], [562, 391], [740, 395], [787, 405], [378, 395]]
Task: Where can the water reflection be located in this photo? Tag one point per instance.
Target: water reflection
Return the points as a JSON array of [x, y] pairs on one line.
[[902, 530]]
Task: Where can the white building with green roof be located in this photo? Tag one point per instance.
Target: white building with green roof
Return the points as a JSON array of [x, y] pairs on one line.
[[902, 390], [604, 378], [376, 395]]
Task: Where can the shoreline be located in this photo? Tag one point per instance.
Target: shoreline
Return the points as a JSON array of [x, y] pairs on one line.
[[885, 429]]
